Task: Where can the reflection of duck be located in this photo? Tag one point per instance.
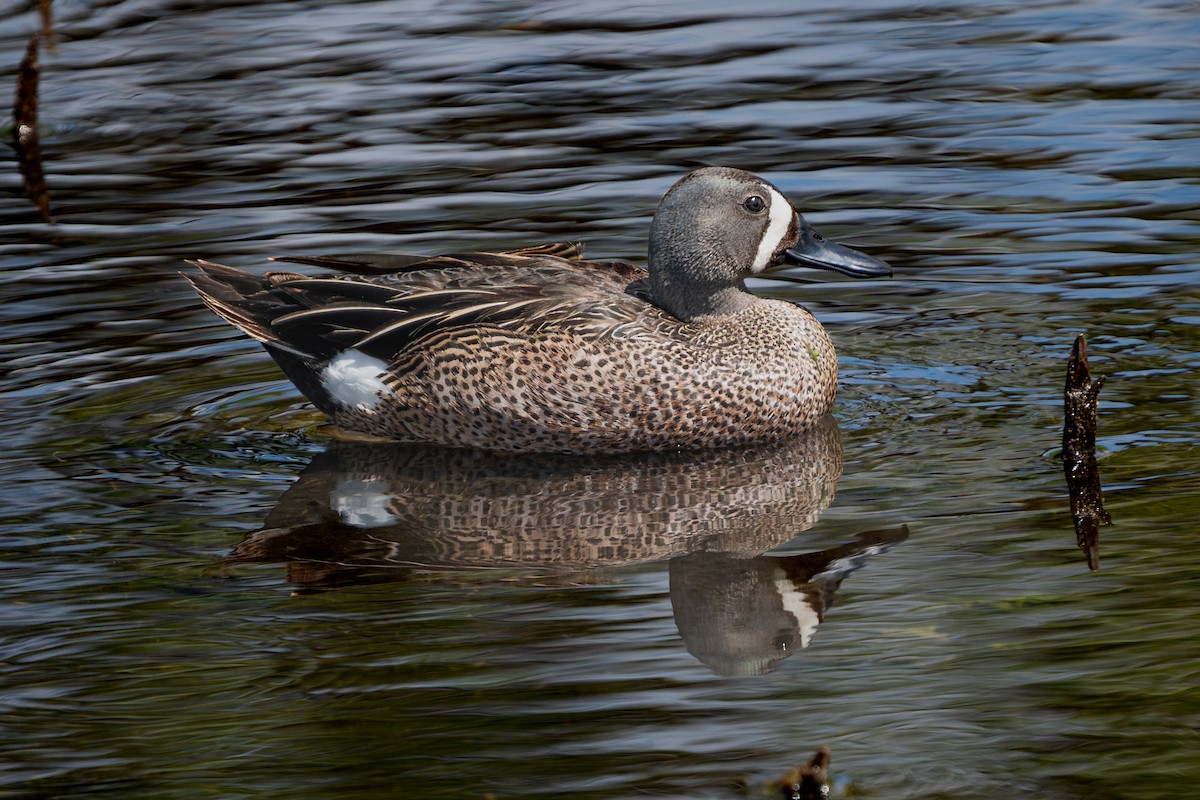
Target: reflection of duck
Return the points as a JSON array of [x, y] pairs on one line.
[[537, 350], [398, 508], [373, 513]]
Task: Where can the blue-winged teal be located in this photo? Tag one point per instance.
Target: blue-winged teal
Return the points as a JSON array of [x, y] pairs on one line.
[[539, 350]]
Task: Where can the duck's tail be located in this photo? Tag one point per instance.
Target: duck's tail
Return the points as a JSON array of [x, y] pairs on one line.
[[251, 303]]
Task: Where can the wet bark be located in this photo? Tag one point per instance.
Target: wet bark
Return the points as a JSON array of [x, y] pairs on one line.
[[1081, 399], [810, 782], [46, 15], [25, 137]]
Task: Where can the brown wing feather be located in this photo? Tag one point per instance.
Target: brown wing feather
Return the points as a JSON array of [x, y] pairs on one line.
[[385, 314]]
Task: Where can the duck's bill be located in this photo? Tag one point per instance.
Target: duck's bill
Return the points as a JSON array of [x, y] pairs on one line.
[[815, 251]]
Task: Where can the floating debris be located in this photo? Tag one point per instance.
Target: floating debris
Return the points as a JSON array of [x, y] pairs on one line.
[[1081, 399], [810, 782], [25, 136]]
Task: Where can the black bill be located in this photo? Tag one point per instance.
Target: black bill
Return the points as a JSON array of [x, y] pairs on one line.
[[814, 250]]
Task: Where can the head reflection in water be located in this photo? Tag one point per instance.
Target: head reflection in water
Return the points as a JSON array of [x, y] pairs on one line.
[[742, 616]]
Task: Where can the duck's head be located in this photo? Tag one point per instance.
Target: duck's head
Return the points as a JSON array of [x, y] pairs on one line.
[[717, 226]]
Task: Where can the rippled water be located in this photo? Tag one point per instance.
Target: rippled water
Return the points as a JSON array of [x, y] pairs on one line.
[[205, 597]]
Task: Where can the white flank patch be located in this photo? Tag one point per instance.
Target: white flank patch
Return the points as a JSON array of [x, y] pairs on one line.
[[353, 379], [781, 218], [796, 604], [363, 504]]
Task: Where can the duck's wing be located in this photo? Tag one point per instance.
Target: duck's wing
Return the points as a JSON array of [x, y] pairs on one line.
[[386, 314]]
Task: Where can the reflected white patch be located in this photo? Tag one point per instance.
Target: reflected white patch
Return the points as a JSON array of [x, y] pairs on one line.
[[363, 504], [796, 604], [354, 379], [781, 217]]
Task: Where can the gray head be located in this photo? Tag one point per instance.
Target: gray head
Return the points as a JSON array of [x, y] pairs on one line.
[[718, 225]]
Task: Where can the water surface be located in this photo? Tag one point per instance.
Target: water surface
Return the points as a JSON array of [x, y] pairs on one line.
[[206, 597]]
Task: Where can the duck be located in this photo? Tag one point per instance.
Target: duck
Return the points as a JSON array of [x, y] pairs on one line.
[[538, 349]]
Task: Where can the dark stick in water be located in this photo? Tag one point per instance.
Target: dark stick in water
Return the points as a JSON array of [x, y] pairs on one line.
[[46, 14], [1081, 399], [25, 136], [809, 782]]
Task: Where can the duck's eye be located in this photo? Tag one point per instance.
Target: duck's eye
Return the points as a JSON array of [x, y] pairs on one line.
[[755, 204]]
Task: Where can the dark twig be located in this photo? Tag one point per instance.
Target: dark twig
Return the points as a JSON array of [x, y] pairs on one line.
[[25, 136], [1081, 399], [46, 14]]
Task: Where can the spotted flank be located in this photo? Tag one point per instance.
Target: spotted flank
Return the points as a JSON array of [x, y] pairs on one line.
[[538, 349]]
